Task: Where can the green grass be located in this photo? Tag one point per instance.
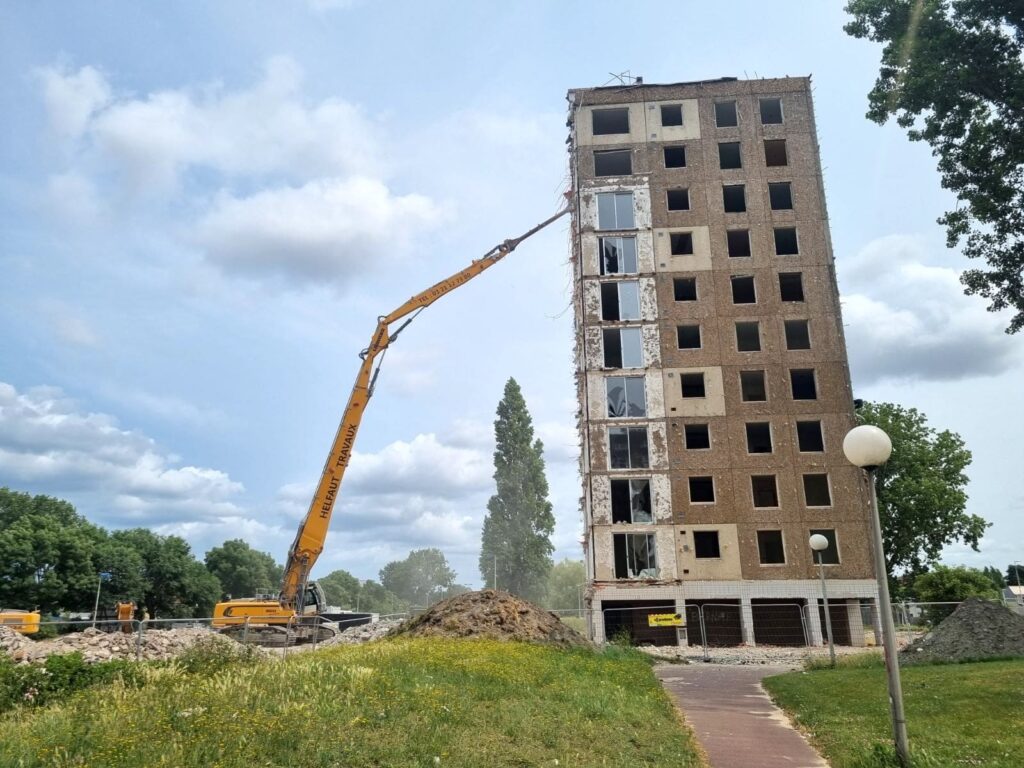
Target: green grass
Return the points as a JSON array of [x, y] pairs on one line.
[[957, 714], [396, 703]]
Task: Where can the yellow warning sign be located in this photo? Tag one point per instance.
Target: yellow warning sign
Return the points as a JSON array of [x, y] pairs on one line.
[[665, 620]]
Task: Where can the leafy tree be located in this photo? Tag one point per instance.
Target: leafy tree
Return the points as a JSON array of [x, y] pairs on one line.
[[421, 579], [995, 576], [376, 599], [127, 582], [340, 588], [564, 583], [242, 570], [519, 523], [921, 497], [47, 554], [1015, 574], [953, 73], [946, 584], [176, 584]]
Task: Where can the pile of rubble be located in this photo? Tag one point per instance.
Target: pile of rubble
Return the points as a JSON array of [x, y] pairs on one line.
[[494, 614], [96, 645], [364, 633], [977, 629]]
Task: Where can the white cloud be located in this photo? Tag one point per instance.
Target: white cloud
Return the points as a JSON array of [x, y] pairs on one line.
[[72, 98], [69, 325], [327, 230], [907, 319], [74, 197], [423, 466], [48, 444]]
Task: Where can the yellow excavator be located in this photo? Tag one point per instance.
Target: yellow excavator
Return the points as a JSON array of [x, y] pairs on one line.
[[25, 622], [298, 613]]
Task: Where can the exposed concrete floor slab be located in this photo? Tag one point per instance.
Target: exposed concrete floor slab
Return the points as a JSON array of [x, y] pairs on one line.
[[734, 720]]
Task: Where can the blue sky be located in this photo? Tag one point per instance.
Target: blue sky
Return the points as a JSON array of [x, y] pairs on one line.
[[205, 206]]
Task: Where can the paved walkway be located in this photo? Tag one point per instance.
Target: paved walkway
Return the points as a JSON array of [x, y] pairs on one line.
[[736, 723]]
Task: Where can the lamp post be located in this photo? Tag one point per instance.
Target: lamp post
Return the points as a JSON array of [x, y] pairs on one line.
[[868, 447], [819, 544]]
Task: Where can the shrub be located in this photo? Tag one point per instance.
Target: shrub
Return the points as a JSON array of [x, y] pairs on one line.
[[57, 678], [214, 654]]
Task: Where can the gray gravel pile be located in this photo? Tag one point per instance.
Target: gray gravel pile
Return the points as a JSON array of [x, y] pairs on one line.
[[364, 633], [96, 645], [977, 629]]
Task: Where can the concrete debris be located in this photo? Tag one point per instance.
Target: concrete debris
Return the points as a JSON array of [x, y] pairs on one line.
[[96, 645], [977, 629], [493, 614], [364, 633]]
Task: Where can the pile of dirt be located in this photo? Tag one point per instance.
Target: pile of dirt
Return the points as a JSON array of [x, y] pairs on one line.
[[977, 629], [494, 614], [96, 645], [364, 633]]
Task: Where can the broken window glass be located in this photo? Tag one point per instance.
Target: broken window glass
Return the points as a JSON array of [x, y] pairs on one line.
[[635, 556], [620, 301], [618, 255], [617, 162], [627, 447], [610, 121], [626, 396], [615, 210], [631, 501]]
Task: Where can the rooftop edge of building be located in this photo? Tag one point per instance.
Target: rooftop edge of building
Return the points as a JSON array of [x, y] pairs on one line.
[[722, 86]]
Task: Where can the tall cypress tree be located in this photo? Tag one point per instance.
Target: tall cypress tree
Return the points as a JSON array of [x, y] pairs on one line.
[[519, 523]]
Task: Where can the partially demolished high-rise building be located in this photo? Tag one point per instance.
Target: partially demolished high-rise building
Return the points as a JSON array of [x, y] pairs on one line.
[[711, 367]]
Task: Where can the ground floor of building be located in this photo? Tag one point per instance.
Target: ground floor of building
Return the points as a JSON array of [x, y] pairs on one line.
[[725, 613]]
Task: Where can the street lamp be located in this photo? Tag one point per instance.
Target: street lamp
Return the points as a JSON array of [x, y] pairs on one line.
[[869, 448], [819, 544]]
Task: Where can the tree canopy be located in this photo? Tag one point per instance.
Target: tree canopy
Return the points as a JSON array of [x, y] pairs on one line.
[[242, 570], [564, 584], [952, 74], [518, 525], [921, 496], [420, 579], [346, 591]]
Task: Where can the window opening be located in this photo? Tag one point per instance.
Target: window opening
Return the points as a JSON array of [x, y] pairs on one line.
[[785, 241], [771, 111], [688, 336], [635, 556], [816, 491], [675, 157], [702, 490], [829, 555], [775, 153], [743, 289], [738, 241], [705, 545], [780, 194], [759, 437], [685, 288], [692, 384], [725, 114], [697, 437], [748, 337], [752, 387], [791, 286], [610, 121], [770, 547], [631, 501], [626, 396], [617, 162], [618, 255], [765, 490], [809, 437], [802, 382], [615, 210], [622, 348], [671, 114], [627, 448], [681, 243], [798, 334], [620, 301], [678, 199], [734, 198], [729, 155]]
